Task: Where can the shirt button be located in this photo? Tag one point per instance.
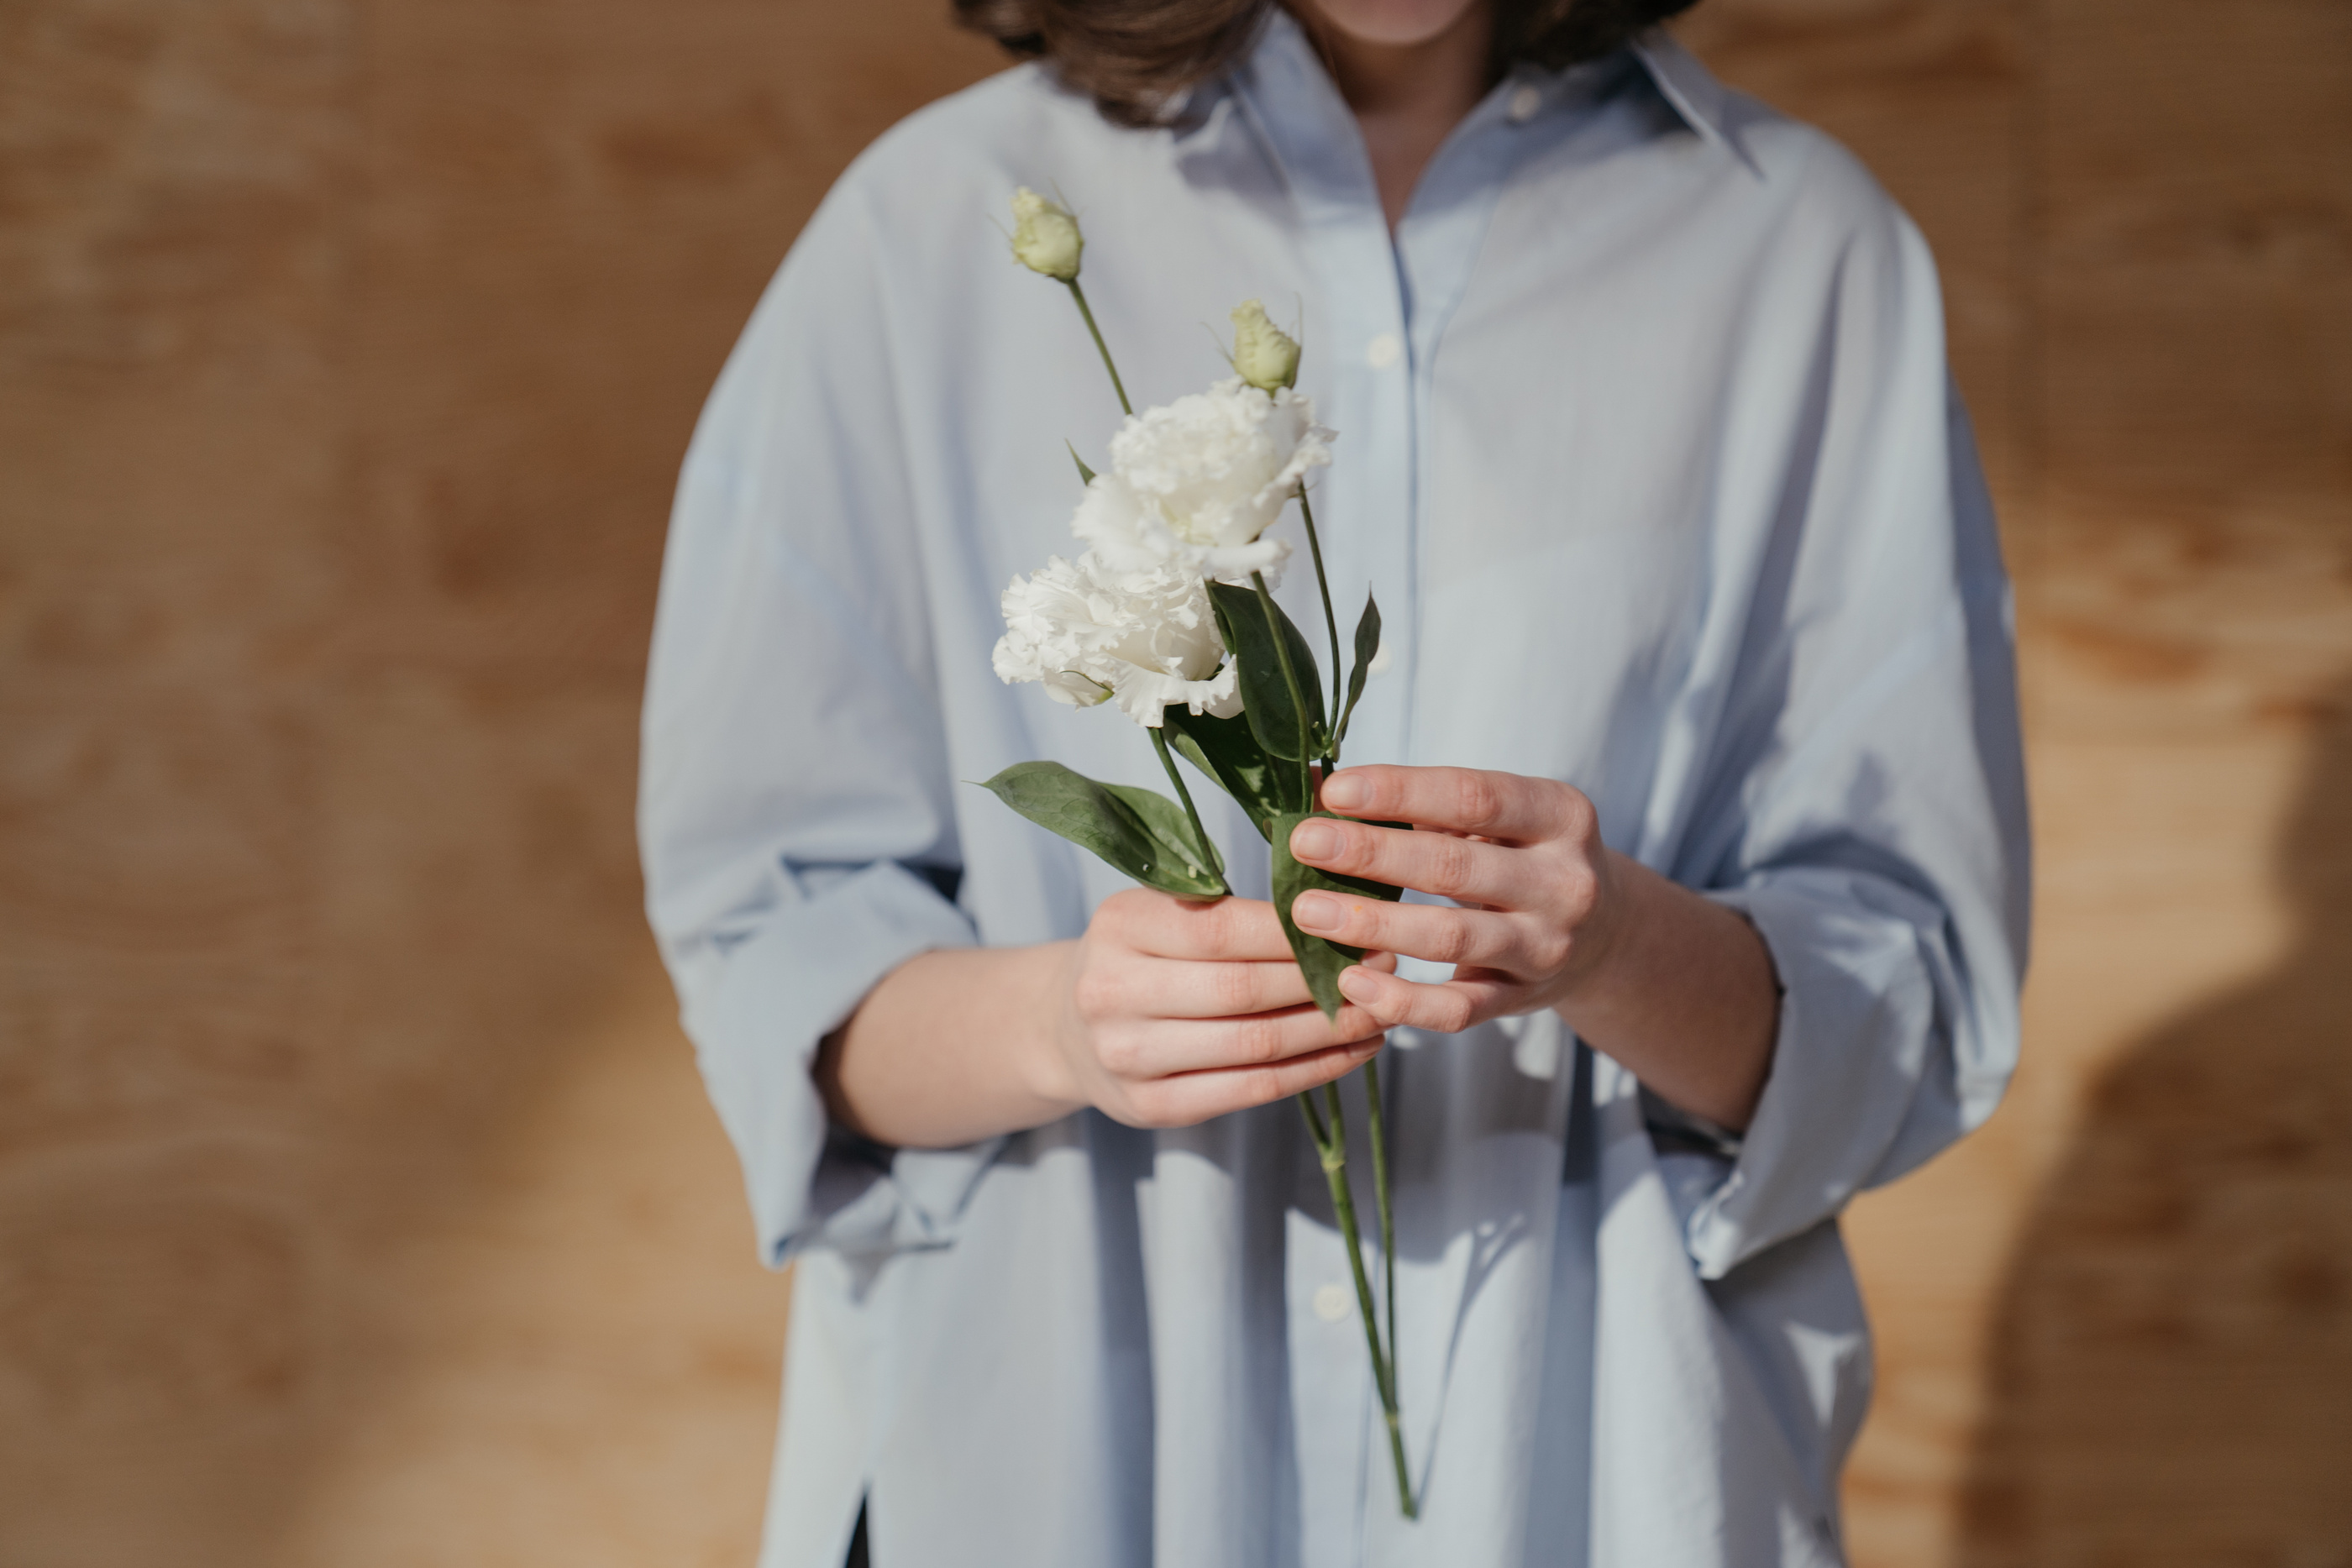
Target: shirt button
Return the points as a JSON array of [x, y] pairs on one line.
[[1382, 352], [1524, 104], [1331, 1303]]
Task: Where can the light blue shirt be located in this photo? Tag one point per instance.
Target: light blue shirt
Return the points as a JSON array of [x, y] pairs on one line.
[[1648, 442]]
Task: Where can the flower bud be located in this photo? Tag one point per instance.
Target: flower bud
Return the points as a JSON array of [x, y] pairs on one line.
[[1264, 354], [1046, 238]]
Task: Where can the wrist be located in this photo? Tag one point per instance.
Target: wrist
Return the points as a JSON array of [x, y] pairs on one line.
[[1047, 1067], [1596, 959], [1681, 993]]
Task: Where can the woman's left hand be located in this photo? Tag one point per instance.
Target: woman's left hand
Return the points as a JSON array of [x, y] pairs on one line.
[[1521, 856]]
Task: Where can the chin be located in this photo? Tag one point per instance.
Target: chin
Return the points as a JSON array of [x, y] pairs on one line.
[[1397, 23]]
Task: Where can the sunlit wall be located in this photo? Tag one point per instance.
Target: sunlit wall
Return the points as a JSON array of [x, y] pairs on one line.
[[357, 1203]]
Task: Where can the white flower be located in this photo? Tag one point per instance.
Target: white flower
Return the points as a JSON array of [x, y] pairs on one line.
[[1265, 355], [1091, 633], [1194, 483], [1046, 238]]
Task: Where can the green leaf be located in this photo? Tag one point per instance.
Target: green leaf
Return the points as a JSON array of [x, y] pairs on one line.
[[1086, 475], [1227, 751], [1265, 694], [1165, 821], [1318, 959], [1143, 834], [1368, 647]]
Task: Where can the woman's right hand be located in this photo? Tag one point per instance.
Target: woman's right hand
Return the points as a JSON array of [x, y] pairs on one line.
[[1173, 1011]]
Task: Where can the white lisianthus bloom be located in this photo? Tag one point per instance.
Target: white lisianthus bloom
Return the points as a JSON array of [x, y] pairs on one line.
[[1194, 483], [1144, 639], [1046, 238]]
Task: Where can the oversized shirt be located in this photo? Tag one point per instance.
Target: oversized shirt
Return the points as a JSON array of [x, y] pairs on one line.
[[1648, 444]]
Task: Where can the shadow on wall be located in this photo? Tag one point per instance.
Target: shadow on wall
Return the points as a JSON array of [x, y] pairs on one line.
[[2171, 1356]]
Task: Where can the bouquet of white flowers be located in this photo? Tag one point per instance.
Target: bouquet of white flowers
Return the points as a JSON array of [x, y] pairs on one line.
[[1168, 614]]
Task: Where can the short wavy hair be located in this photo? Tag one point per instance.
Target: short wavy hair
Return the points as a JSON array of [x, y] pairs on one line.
[[1135, 56]]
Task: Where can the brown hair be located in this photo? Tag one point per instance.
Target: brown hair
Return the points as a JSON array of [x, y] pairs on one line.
[[1135, 56]]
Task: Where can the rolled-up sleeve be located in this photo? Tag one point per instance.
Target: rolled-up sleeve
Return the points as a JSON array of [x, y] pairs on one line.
[[793, 809], [1868, 810]]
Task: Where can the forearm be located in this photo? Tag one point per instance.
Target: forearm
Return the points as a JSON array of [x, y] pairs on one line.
[[1686, 999], [950, 1048]]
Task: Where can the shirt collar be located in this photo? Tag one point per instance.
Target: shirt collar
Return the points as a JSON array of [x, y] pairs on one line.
[[1705, 105], [1689, 89]]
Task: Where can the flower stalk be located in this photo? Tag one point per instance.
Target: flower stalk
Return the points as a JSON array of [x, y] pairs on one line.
[[1211, 860], [1079, 293], [1343, 1206], [1378, 1117], [1330, 624], [1298, 692], [1130, 621]]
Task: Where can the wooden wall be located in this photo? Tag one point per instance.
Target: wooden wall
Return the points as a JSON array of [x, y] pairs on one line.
[[357, 1203]]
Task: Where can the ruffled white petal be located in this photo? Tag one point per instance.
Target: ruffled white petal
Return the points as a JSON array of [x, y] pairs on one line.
[[1192, 488], [1090, 631], [1193, 483]]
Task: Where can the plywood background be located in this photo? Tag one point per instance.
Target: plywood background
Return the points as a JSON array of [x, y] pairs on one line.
[[357, 1202]]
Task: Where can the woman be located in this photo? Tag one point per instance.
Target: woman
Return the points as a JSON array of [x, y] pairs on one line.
[[1701, 707]]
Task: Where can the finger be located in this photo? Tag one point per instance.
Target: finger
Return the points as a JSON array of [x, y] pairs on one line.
[[1448, 1009], [1440, 863], [1239, 930], [1161, 1047], [1199, 989], [1194, 989], [1434, 932], [1508, 807], [1190, 1098]]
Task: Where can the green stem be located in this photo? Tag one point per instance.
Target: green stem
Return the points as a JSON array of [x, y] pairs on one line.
[[1315, 1129], [1211, 859], [1101, 348], [1298, 692], [1380, 1196], [1343, 1204], [1330, 624]]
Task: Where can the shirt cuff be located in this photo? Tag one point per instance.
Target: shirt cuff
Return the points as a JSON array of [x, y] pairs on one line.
[[1858, 1035], [756, 1031]]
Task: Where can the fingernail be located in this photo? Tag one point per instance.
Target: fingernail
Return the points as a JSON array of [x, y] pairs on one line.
[[1313, 840], [1370, 1047], [1316, 912], [1340, 791], [1356, 983]]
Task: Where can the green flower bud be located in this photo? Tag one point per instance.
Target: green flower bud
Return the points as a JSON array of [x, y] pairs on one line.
[[1265, 356], [1046, 238]]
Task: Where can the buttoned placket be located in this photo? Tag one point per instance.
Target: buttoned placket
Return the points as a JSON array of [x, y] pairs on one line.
[[1383, 303]]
